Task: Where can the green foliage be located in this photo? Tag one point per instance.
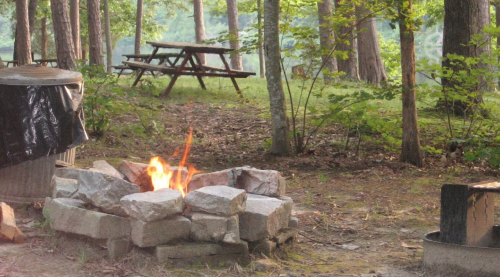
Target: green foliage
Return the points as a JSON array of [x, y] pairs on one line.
[[391, 57], [98, 104]]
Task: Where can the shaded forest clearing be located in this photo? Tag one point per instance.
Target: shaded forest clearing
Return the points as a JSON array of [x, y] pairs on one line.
[[359, 215]]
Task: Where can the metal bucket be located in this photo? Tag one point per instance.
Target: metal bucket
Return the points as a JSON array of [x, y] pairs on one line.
[[27, 182]]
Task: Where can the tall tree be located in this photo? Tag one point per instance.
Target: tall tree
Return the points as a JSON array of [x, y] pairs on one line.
[[23, 40], [234, 38], [326, 38], [371, 68], [32, 5], [199, 26], [74, 9], [497, 22], [44, 38], [62, 34], [347, 40], [107, 31], [280, 129], [464, 19], [261, 40], [410, 150], [138, 27], [95, 39]]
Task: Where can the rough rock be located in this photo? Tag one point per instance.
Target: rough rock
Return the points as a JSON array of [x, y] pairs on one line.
[[214, 228], [263, 217], [69, 172], [153, 205], [118, 248], [219, 200], [63, 187], [104, 191], [147, 234], [69, 215], [136, 173], [104, 167], [261, 182], [218, 178]]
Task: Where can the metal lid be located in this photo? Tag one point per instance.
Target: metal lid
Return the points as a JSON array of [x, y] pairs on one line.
[[38, 75]]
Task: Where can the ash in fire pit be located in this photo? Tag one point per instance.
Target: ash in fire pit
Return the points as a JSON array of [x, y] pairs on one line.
[[224, 216]]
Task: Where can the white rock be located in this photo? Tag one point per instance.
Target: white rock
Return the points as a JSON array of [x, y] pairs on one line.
[[147, 234], [104, 167], [220, 200], [214, 228], [153, 205], [104, 191], [63, 187]]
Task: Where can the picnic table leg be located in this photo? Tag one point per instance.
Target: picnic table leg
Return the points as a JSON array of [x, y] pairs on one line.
[[193, 64], [176, 75], [139, 75], [228, 69]]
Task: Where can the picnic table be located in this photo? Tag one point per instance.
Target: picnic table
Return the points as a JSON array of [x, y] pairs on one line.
[[161, 57], [52, 62], [188, 53]]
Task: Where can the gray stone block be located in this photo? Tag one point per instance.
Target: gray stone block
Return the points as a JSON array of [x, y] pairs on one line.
[[153, 205], [69, 172], [63, 187], [261, 182], [104, 191], [147, 234], [263, 217], [220, 200], [70, 216], [200, 253], [118, 248], [104, 167], [214, 228]]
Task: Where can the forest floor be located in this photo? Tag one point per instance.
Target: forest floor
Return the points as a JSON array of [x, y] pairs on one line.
[[360, 214]]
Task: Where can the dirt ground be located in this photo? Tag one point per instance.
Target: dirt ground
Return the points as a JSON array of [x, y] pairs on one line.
[[359, 215]]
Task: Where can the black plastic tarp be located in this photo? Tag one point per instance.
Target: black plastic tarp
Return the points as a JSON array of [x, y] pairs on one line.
[[38, 121]]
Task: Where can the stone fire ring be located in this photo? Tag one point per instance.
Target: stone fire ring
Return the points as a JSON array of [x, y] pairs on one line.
[[445, 257]]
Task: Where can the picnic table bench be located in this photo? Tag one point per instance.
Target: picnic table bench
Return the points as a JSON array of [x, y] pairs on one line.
[[52, 62], [188, 53], [161, 57]]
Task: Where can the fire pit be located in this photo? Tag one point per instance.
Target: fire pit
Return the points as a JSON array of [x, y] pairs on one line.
[[468, 241], [215, 217]]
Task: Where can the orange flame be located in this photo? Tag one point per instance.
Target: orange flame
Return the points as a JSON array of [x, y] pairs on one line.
[[163, 177]]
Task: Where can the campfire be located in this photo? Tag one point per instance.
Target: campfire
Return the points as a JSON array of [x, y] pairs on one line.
[[185, 215]]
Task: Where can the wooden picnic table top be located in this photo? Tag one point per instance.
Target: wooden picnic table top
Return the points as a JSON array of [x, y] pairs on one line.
[[157, 55], [193, 47]]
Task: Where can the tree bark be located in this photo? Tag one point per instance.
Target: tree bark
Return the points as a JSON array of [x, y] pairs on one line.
[[199, 26], [107, 30], [371, 67], [95, 39], [74, 9], [410, 150], [280, 129], [234, 38], [497, 23], [138, 28], [23, 33], [33, 4], [261, 40], [464, 19], [347, 41], [62, 35], [43, 42], [326, 39]]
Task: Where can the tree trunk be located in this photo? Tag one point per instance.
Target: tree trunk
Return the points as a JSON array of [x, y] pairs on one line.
[[280, 130], [138, 28], [464, 19], [23, 33], [347, 41], [497, 23], [410, 150], [107, 30], [95, 39], [326, 39], [33, 4], [234, 39], [371, 68], [199, 26], [261, 40], [43, 42], [74, 9], [62, 35]]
